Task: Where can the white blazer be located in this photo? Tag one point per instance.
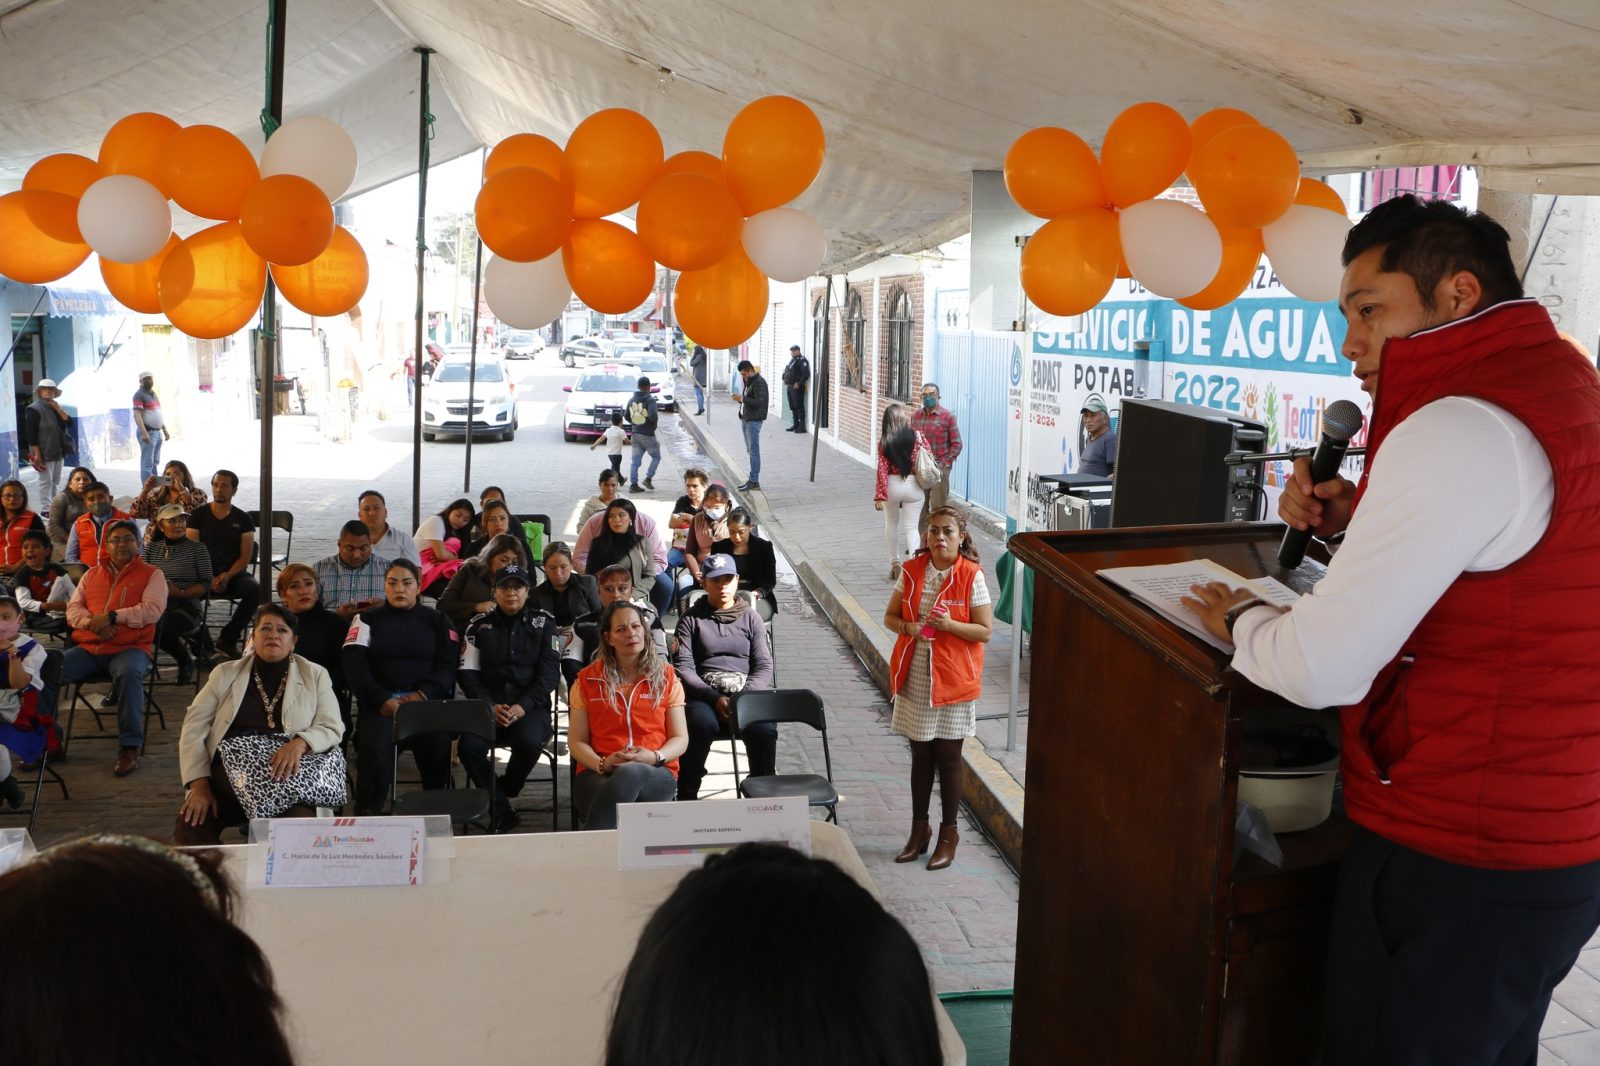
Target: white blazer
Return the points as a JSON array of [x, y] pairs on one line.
[[309, 711]]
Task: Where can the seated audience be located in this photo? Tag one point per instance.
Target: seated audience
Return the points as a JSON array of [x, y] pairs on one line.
[[852, 989], [440, 540], [471, 592], [567, 596], [721, 651], [68, 506], [705, 529], [614, 584], [509, 660], [229, 535], [15, 519], [320, 632], [619, 544], [21, 692], [755, 559], [395, 653], [645, 526], [493, 521], [695, 482], [270, 691], [145, 919], [41, 586], [113, 614], [387, 541], [626, 729], [610, 488], [173, 486], [353, 579], [187, 567], [88, 532]]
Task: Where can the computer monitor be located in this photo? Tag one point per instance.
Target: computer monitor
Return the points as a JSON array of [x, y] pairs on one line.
[[1170, 468]]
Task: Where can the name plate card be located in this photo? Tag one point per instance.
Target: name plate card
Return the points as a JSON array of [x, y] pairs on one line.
[[656, 835], [345, 852]]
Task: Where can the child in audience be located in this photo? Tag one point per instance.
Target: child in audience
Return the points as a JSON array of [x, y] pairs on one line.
[[41, 586], [21, 679], [613, 438]]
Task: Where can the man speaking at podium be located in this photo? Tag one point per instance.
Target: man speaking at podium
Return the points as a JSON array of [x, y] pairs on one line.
[[1457, 628]]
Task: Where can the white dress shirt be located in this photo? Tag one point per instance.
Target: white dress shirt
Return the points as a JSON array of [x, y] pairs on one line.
[[1461, 485]]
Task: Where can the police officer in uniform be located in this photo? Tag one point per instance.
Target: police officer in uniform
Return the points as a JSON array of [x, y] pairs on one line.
[[795, 378]]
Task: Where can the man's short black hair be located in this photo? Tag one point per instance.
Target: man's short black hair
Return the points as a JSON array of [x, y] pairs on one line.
[[745, 364], [122, 523], [97, 486], [643, 382], [1429, 240], [372, 492], [38, 536], [233, 479], [355, 528]]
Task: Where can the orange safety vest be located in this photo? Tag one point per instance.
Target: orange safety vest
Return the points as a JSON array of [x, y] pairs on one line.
[[11, 544], [107, 590], [957, 663], [633, 721], [89, 537]]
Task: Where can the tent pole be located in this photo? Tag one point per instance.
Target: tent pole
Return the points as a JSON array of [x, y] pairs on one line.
[[819, 395], [1019, 573], [424, 121], [472, 382], [267, 338]]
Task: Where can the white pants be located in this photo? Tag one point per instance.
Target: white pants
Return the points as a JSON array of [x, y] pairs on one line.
[[49, 482], [900, 517]]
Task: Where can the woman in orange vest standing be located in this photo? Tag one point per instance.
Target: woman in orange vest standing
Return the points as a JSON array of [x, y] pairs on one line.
[[627, 727], [940, 612], [15, 520]]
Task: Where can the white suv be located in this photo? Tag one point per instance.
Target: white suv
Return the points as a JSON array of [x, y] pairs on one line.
[[494, 401]]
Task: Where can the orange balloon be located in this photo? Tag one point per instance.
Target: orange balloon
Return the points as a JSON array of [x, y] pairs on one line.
[[1146, 148], [525, 150], [687, 221], [134, 284], [56, 215], [723, 305], [772, 152], [330, 284], [63, 172], [1241, 253], [1069, 264], [1216, 120], [1246, 176], [523, 214], [1319, 194], [286, 219], [212, 283], [136, 144], [208, 171], [692, 162], [1122, 262], [1050, 171], [613, 157], [29, 253], [607, 266]]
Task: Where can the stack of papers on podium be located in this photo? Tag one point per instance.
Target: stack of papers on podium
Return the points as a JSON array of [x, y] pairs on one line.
[[1163, 586]]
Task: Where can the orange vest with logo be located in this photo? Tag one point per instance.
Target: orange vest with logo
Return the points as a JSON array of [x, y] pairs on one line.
[[107, 590], [633, 720], [89, 537], [957, 663], [11, 544]]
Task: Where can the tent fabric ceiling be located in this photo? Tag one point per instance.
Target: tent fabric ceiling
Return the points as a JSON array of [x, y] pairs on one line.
[[913, 96]]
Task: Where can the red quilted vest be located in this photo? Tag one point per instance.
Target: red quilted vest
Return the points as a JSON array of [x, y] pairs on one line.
[[1480, 743]]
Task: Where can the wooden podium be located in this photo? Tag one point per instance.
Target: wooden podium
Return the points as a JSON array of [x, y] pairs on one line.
[[1139, 939]]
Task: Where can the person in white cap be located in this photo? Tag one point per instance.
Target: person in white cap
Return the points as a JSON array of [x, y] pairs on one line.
[[147, 421], [47, 430]]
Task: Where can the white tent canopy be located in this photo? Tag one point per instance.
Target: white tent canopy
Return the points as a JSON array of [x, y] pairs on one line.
[[913, 96]]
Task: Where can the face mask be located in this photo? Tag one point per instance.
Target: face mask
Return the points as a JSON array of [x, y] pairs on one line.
[[9, 628], [101, 510], [930, 402], [716, 513]]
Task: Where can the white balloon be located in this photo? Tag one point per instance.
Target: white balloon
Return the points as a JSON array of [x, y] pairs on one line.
[[314, 148], [1305, 246], [785, 244], [124, 218], [526, 295], [1171, 248]]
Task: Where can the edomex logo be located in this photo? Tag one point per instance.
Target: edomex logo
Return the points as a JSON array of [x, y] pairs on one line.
[[1016, 365]]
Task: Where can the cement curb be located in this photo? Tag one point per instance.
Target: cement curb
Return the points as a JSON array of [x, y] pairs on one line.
[[994, 796]]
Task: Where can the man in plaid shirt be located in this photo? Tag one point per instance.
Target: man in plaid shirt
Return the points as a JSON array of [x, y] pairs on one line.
[[352, 580], [938, 427]]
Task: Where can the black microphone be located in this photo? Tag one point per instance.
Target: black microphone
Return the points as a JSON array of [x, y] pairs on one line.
[[1341, 421]]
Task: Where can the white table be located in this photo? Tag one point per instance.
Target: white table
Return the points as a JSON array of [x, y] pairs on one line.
[[516, 959]]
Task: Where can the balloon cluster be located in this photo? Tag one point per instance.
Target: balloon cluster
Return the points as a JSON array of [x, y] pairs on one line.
[[275, 215], [720, 222], [1106, 222]]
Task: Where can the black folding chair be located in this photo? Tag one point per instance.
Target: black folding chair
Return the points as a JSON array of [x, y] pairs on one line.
[[463, 806], [283, 520], [52, 678], [786, 705]]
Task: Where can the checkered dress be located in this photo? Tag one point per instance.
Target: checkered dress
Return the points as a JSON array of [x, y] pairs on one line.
[[915, 717]]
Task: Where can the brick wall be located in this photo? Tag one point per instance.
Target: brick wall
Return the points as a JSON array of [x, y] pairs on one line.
[[860, 406]]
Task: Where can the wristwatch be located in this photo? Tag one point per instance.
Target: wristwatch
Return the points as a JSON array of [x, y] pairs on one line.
[[1233, 613], [661, 760]]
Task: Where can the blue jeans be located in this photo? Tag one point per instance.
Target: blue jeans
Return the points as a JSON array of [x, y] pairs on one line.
[[127, 670], [699, 398], [752, 444], [642, 443], [597, 797], [149, 454]]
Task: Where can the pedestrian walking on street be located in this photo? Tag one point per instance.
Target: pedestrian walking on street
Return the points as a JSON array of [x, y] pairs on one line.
[[48, 432], [697, 372], [752, 401], [151, 426], [940, 614], [643, 416], [897, 490], [796, 377], [938, 427], [614, 438]]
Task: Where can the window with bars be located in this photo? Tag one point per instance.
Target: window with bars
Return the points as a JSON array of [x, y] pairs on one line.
[[897, 384], [855, 343], [1428, 183]]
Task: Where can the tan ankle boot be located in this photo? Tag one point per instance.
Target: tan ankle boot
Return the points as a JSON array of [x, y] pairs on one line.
[[944, 853], [917, 843]]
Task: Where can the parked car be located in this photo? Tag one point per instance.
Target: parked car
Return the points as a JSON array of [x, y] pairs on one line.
[[598, 391], [666, 341], [493, 395], [629, 348], [522, 344], [658, 368], [585, 350]]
